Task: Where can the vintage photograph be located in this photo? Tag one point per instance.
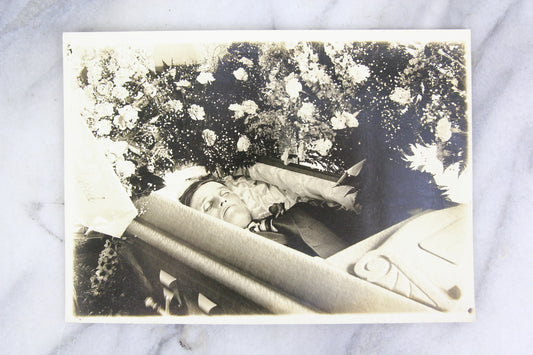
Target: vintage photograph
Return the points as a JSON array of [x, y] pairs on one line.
[[268, 176]]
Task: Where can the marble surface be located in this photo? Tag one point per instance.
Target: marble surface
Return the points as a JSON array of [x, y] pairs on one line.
[[31, 164]]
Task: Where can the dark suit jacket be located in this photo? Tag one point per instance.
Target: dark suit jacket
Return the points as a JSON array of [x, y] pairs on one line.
[[311, 230], [389, 194]]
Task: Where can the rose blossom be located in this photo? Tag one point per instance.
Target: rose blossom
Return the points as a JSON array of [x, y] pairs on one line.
[[127, 117], [359, 73], [444, 129], [243, 144], [401, 96], [182, 83], [103, 127], [293, 86], [240, 74], [204, 78], [322, 146], [104, 88], [351, 120], [196, 112], [344, 119], [209, 137], [120, 92], [174, 105], [103, 109], [306, 111], [246, 61], [237, 109], [249, 107], [338, 121]]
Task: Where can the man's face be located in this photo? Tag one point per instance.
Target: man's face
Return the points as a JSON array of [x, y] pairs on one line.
[[217, 200]]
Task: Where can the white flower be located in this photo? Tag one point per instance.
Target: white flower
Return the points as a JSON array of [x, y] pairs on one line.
[[127, 117], [196, 112], [209, 137], [238, 110], [322, 146], [303, 60], [455, 82], [344, 119], [120, 92], [246, 61], [315, 75], [102, 127], [424, 158], [243, 144], [204, 78], [174, 106], [292, 86], [94, 72], [125, 168], [129, 112], [351, 119], [401, 96], [104, 88], [122, 76], [103, 109], [240, 74], [182, 84], [150, 90], [306, 111], [172, 72], [443, 129], [359, 73], [249, 107], [120, 122], [338, 121]]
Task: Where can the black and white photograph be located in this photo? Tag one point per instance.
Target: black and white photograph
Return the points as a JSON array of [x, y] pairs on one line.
[[268, 176]]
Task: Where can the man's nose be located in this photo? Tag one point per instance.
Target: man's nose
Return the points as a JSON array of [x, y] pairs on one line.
[[222, 201]]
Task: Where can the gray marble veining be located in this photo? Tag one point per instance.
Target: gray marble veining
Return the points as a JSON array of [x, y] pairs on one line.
[[31, 164]]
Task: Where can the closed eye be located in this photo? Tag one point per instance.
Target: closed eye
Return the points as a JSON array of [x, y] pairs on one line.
[[207, 206]]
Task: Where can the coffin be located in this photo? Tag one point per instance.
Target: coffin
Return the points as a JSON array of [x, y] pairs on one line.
[[417, 266]]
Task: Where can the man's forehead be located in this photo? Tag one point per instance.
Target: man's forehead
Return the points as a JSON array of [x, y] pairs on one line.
[[208, 188]]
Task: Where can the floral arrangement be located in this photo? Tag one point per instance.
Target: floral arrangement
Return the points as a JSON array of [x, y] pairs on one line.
[[325, 105], [103, 283], [106, 267]]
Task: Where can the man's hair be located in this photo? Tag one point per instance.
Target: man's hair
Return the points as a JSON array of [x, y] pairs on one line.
[[187, 195]]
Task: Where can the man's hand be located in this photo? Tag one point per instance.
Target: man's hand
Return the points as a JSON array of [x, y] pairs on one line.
[[345, 196]]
